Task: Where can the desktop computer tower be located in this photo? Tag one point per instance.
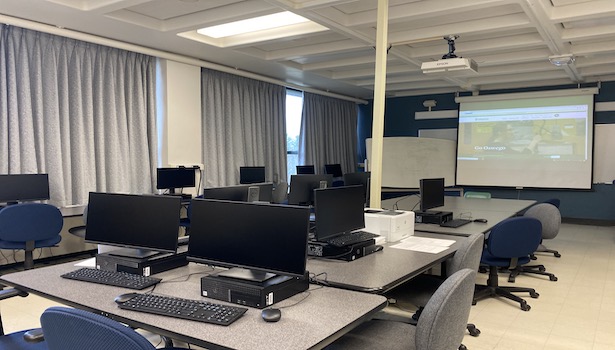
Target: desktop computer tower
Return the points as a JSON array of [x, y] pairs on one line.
[[146, 266], [348, 253], [433, 217], [250, 293]]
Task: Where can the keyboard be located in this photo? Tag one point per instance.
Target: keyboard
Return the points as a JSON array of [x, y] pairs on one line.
[[112, 278], [351, 238], [456, 223], [195, 310]]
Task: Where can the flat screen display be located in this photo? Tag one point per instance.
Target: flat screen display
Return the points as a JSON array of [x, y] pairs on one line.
[[172, 178], [526, 140], [334, 169], [251, 174], [432, 193], [239, 193], [24, 187], [145, 222], [338, 210], [305, 169], [359, 178], [302, 188], [264, 237]]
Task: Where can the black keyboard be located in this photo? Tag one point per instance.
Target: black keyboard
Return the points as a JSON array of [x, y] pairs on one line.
[[195, 310], [456, 223], [112, 278], [351, 238]]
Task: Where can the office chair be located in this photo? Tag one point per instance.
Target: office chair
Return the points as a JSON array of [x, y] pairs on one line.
[[475, 194], [419, 290], [550, 219], [509, 245], [305, 170], [79, 231], [441, 325], [280, 193], [31, 339], [29, 226], [74, 329]]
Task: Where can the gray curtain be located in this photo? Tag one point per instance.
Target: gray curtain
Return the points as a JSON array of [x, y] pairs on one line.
[[83, 113], [328, 133], [244, 124]]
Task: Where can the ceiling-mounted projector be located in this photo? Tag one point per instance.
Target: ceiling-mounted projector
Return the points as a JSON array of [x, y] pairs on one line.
[[450, 63], [458, 64]]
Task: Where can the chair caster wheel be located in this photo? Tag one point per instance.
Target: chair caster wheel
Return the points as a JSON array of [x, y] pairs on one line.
[[533, 257], [473, 302], [534, 295], [557, 255], [511, 279], [475, 332], [525, 306], [542, 269], [482, 269], [462, 347], [553, 278]]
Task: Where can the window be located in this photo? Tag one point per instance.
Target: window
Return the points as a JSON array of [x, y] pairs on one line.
[[294, 107]]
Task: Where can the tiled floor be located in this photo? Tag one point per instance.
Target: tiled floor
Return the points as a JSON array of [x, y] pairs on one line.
[[576, 312]]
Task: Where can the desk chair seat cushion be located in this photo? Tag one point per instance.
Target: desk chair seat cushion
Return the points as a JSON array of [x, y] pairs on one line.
[[37, 244], [16, 341]]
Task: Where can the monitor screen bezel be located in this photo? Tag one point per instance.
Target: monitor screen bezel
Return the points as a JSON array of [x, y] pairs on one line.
[[22, 186], [239, 193], [205, 218], [144, 241], [175, 183], [251, 174], [432, 193], [338, 210]]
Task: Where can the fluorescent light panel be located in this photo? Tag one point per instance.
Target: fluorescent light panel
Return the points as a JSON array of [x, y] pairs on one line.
[[255, 24]]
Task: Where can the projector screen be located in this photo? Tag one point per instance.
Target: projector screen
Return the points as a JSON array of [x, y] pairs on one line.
[[540, 140]]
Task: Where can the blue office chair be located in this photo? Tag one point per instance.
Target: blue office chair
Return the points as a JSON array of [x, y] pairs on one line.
[[28, 226], [74, 329], [31, 339], [509, 245]]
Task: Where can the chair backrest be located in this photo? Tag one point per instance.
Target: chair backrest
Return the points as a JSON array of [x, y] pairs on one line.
[[444, 319], [549, 217], [30, 222], [468, 254], [280, 192], [74, 329], [514, 237], [555, 201], [475, 194]]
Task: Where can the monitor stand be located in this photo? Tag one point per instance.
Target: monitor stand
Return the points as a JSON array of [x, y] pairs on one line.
[[247, 275], [134, 253]]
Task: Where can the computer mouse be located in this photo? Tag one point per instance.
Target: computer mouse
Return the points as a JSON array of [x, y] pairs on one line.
[[271, 315], [122, 298], [484, 221]]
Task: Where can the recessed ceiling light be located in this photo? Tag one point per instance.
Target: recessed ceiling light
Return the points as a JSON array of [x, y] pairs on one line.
[[255, 24]]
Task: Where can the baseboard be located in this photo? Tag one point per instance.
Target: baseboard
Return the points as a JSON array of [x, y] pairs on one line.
[[594, 222]]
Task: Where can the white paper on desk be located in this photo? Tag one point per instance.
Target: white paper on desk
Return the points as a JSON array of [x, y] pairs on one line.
[[429, 241], [418, 247], [87, 263]]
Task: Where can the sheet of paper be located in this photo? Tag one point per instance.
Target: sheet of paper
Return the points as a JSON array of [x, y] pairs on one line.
[[87, 263], [418, 247], [429, 241]]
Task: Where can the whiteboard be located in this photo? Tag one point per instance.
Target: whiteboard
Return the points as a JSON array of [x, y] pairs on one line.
[[406, 160], [604, 161]]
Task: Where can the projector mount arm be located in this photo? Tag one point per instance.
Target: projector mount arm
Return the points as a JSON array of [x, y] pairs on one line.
[[451, 46]]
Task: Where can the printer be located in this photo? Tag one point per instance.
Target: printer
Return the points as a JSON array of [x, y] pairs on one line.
[[391, 224]]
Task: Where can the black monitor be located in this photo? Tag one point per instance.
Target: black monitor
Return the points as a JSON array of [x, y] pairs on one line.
[[146, 224], [302, 187], [432, 193], [172, 178], [23, 187], [334, 169], [338, 210], [239, 193], [359, 178], [305, 169], [251, 174], [265, 239]]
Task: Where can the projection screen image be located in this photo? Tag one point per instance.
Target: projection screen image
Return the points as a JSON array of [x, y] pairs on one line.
[[543, 142]]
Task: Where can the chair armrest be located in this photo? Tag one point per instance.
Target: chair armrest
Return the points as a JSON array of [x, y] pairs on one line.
[[12, 292]]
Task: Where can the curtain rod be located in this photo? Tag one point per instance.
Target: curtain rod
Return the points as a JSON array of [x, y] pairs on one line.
[[50, 29]]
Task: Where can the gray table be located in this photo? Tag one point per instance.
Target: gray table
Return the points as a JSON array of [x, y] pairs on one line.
[[381, 271], [325, 314], [494, 210]]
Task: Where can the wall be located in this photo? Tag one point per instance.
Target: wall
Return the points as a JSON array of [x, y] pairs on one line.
[[595, 204]]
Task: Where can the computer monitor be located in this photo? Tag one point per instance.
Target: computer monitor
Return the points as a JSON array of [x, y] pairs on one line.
[[338, 210], [334, 169], [359, 178], [145, 224], [16, 188], [305, 169], [239, 193], [261, 239], [432, 193], [172, 178], [251, 174], [302, 187]]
